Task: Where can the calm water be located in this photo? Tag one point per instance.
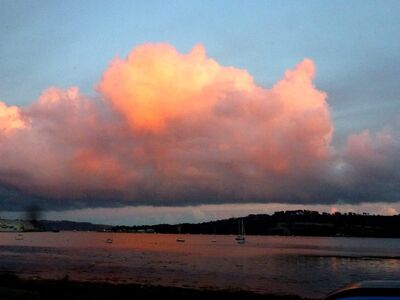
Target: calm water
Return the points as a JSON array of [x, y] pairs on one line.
[[305, 266]]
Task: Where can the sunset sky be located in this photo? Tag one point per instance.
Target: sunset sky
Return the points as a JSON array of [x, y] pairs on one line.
[[132, 112]]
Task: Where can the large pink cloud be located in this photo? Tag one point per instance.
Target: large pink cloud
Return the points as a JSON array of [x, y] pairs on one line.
[[174, 129], [210, 129], [180, 101]]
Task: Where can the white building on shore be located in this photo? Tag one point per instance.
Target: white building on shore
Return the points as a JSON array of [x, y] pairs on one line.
[[15, 225]]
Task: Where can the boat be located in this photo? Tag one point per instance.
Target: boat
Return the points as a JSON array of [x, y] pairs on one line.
[[180, 239], [110, 240], [214, 239], [19, 237], [240, 239]]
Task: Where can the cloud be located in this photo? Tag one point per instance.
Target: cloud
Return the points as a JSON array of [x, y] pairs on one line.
[[208, 133], [390, 211], [10, 118], [167, 128], [370, 166]]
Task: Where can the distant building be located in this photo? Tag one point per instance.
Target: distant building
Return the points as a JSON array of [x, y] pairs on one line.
[[15, 225]]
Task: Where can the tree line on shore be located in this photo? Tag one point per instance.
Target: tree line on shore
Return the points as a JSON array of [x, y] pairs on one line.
[[297, 222]]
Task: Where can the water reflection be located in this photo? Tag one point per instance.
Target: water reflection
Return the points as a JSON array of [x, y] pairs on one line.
[[298, 265]]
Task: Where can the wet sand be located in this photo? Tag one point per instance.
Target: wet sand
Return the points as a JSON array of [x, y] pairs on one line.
[[13, 288]]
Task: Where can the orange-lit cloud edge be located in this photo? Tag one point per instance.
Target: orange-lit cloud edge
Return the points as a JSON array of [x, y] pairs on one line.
[[167, 128]]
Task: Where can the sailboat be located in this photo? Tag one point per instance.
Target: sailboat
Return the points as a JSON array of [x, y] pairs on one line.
[[110, 239], [240, 237], [180, 239]]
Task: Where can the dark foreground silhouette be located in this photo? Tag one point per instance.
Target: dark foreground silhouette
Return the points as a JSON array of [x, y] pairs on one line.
[[12, 288]]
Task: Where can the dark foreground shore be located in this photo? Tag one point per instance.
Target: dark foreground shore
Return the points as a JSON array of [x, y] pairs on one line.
[[12, 288]]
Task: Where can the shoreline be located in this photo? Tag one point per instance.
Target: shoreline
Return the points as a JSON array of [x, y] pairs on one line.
[[12, 287]]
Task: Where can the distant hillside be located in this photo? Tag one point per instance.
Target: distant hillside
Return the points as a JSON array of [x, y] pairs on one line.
[[299, 222], [70, 225]]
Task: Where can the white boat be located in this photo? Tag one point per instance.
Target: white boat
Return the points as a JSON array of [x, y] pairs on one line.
[[180, 239], [240, 239], [110, 240], [19, 237]]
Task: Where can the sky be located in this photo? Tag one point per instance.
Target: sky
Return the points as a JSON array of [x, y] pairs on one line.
[[213, 107]]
